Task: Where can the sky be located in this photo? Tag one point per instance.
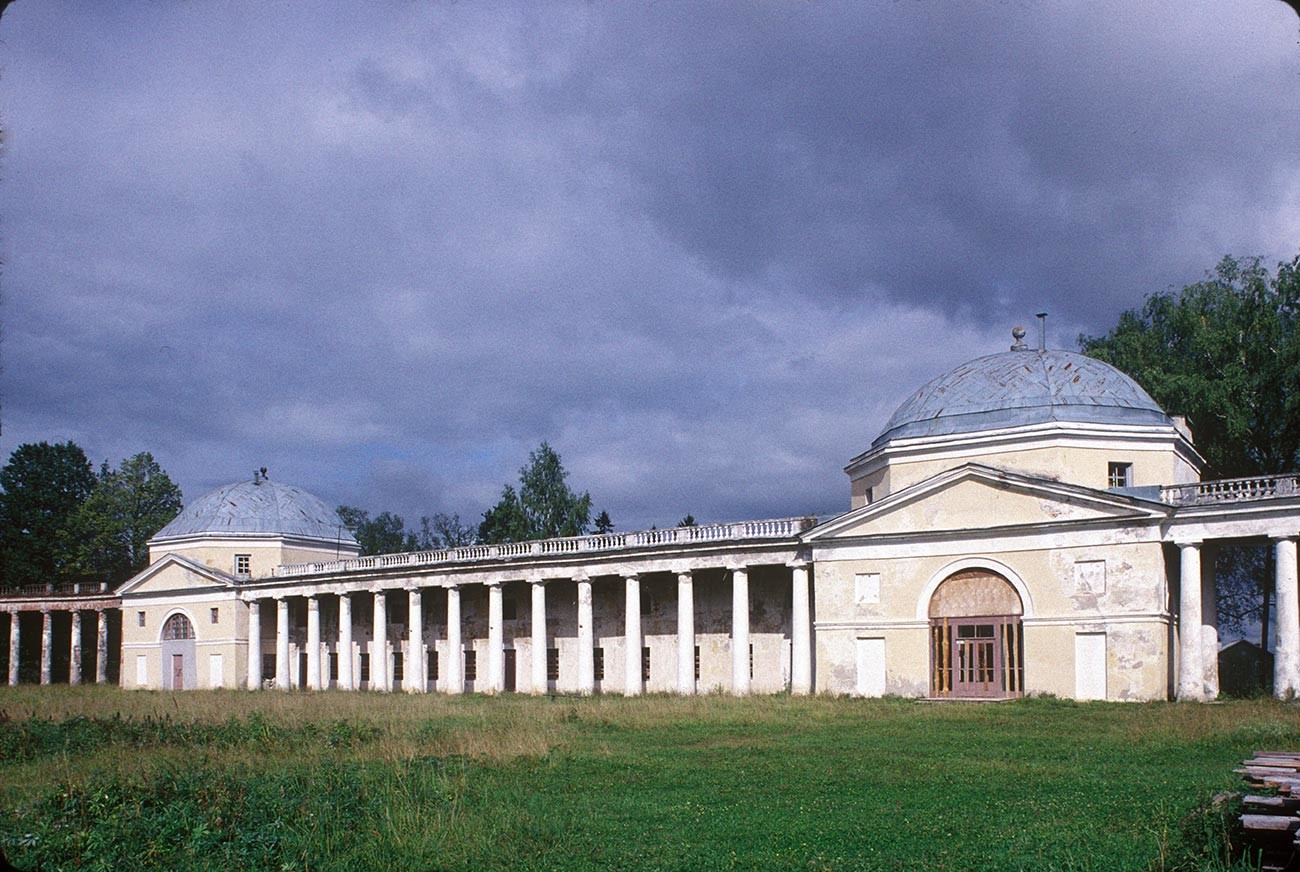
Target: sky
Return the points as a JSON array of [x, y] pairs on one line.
[[702, 249]]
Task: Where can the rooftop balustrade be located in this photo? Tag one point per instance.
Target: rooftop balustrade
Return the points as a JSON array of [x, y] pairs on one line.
[[1231, 490], [779, 528]]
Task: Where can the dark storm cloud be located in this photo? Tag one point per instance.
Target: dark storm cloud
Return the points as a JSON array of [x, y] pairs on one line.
[[704, 250]]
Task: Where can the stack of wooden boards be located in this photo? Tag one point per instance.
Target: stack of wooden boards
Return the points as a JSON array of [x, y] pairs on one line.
[[1270, 823]]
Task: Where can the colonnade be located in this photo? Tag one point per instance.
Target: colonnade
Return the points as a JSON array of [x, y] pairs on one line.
[[1198, 629], [75, 659], [493, 680]]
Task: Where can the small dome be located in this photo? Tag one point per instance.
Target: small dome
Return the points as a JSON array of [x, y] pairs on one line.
[[1018, 388], [259, 507]]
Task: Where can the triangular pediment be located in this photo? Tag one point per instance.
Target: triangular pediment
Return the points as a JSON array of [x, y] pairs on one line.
[[977, 497], [175, 573]]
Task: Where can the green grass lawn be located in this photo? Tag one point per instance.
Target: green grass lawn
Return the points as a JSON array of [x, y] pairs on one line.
[[99, 778]]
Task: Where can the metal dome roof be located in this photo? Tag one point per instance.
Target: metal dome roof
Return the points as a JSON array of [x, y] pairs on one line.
[[259, 507], [1021, 387]]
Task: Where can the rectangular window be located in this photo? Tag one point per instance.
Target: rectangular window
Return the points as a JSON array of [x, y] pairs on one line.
[[334, 667], [598, 664], [751, 661], [871, 495], [397, 666], [140, 618], [433, 665], [1119, 475], [365, 667], [697, 662], [552, 664], [508, 608], [268, 666], [215, 613], [243, 565], [1089, 577], [471, 665], [645, 664], [866, 588]]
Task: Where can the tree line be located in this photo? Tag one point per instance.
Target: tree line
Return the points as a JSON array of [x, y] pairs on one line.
[[61, 521]]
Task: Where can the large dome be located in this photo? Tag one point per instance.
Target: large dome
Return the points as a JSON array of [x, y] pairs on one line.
[[1017, 388], [258, 507]]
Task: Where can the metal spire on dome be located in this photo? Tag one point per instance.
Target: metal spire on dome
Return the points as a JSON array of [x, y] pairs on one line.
[[1018, 334]]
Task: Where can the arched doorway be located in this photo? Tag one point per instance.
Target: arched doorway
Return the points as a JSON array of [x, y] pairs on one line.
[[178, 664], [976, 640]]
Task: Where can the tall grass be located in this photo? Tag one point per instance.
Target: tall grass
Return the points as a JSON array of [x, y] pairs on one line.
[[101, 778]]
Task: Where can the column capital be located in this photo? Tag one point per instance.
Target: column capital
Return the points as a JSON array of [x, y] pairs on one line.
[[632, 576], [798, 563], [1290, 537], [493, 584], [1188, 543], [685, 574], [737, 567], [581, 576]]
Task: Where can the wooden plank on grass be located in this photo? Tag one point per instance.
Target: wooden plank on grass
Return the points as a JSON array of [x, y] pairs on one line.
[[1273, 823]]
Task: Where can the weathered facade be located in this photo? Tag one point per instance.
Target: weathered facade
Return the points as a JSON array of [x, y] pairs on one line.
[[1031, 522]]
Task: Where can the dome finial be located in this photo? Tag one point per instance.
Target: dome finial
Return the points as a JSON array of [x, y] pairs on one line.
[[1018, 334]]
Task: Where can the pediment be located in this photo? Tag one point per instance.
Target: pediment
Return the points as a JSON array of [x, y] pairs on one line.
[[976, 497], [174, 573]]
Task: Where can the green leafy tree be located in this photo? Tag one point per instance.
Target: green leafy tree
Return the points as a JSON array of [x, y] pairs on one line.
[[40, 487], [444, 531], [603, 524], [544, 506], [1225, 352], [385, 533], [106, 538]]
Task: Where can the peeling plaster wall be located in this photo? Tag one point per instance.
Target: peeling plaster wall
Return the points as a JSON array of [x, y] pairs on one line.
[[1110, 586]]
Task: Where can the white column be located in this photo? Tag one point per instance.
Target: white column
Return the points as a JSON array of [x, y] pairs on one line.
[[1286, 653], [685, 633], [496, 667], [47, 644], [1209, 624], [101, 646], [379, 647], [254, 644], [74, 661], [586, 638], [346, 681], [415, 656], [313, 643], [1191, 674], [538, 615], [632, 684], [282, 644], [455, 667], [15, 647], [800, 631], [740, 631]]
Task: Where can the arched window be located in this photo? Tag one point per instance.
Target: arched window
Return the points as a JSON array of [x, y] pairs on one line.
[[177, 627], [976, 639]]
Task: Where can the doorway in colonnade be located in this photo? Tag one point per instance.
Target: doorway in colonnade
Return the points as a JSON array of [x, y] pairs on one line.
[[178, 660], [976, 637]]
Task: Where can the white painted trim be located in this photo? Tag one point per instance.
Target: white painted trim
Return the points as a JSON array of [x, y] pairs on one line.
[[177, 610], [217, 595], [923, 602], [1055, 621], [955, 542]]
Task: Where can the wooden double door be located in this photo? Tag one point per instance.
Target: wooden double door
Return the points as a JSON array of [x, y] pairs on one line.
[[977, 657]]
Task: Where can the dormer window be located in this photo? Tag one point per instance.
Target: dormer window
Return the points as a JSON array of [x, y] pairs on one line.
[[243, 565], [1119, 475]]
